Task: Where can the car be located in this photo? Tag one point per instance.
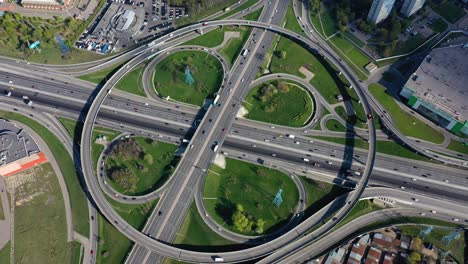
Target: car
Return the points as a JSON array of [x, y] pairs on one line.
[[455, 219], [415, 199], [205, 24], [329, 162], [316, 164], [224, 129], [369, 116], [92, 252], [10, 81], [273, 154], [433, 211], [159, 213]]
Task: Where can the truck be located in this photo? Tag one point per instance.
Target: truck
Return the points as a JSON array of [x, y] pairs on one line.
[[290, 136], [215, 101]]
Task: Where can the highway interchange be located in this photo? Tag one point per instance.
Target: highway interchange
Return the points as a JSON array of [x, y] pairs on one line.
[[177, 121]]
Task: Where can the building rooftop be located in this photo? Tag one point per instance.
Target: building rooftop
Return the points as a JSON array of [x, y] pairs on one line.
[[442, 79], [15, 143]]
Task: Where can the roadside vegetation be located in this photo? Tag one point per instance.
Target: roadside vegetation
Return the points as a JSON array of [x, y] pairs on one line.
[[238, 9], [408, 124], [240, 197], [319, 194], [385, 147], [200, 9], [280, 102], [112, 246], [132, 82], [334, 125], [254, 15], [136, 166], [78, 202], [458, 146], [134, 214], [40, 228], [206, 70], [234, 46], [18, 32], [291, 21], [210, 39], [448, 10]]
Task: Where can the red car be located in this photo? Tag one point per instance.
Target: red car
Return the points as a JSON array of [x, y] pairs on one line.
[[92, 252], [205, 24], [224, 129], [369, 116]]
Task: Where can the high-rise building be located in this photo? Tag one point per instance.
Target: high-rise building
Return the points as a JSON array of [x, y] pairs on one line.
[[409, 7], [380, 10]]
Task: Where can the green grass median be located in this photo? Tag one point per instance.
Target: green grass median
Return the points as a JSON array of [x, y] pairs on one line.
[[113, 246], [405, 122], [234, 46], [206, 70], [458, 146]]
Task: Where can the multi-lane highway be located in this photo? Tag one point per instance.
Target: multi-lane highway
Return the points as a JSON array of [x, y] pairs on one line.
[[219, 128]]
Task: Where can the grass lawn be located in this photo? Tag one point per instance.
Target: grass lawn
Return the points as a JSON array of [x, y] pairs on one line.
[[327, 26], [325, 80], [97, 77], [74, 129], [238, 9], [204, 12], [5, 253], [234, 46], [254, 15], [361, 208], [456, 247], [449, 11], [334, 125], [134, 214], [291, 21], [406, 123], [458, 146], [439, 25], [210, 39], [355, 55], [319, 194], [284, 112], [352, 38], [40, 224], [206, 70], [79, 205], [154, 174], [410, 44], [386, 147], [132, 82], [76, 253], [194, 234], [113, 246], [252, 186]]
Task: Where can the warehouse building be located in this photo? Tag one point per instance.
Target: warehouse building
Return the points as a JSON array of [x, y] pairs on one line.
[[438, 89]]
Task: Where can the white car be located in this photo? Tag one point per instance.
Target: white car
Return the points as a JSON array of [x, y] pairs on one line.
[[10, 81], [433, 211]]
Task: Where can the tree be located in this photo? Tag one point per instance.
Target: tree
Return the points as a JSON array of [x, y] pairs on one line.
[[148, 158], [395, 31], [283, 87], [283, 54], [315, 5], [124, 178], [241, 221], [417, 244], [259, 226], [414, 258]]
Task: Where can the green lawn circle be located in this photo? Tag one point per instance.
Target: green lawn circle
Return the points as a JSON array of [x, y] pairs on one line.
[[170, 78], [293, 108], [153, 175], [252, 186]]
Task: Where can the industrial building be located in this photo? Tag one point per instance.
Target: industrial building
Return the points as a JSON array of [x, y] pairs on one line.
[[409, 7], [438, 89], [46, 4], [18, 151], [380, 10]]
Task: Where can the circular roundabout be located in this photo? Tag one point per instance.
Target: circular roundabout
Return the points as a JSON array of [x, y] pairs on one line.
[[234, 256]]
